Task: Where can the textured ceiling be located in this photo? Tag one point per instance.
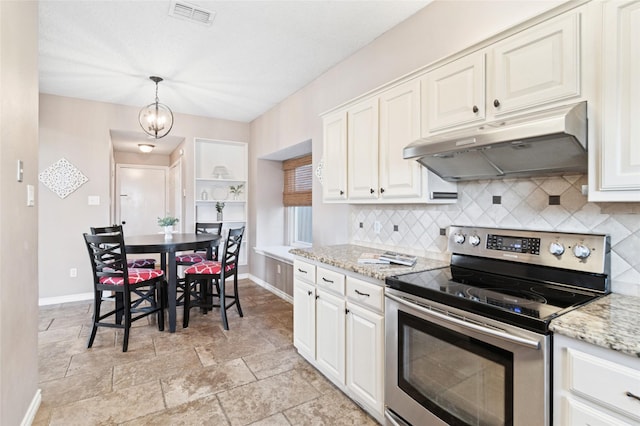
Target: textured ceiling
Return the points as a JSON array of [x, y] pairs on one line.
[[254, 55]]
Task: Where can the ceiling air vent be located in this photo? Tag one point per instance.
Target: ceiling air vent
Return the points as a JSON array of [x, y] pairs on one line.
[[183, 10]]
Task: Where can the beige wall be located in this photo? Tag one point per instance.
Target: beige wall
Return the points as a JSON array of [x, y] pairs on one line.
[[78, 130], [439, 30], [18, 223]]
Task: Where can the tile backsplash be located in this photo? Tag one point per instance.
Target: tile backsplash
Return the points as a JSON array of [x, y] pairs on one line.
[[545, 204]]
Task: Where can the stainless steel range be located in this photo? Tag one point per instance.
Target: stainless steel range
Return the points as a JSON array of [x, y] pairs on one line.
[[470, 344]]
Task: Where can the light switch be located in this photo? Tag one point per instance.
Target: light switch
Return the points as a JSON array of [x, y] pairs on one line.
[[94, 200], [20, 171], [31, 196]]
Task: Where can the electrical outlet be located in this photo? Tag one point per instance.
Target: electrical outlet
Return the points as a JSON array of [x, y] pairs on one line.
[[73, 272], [377, 227]]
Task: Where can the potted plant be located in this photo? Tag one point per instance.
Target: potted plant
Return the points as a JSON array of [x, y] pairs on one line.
[[236, 190], [167, 223], [219, 208]]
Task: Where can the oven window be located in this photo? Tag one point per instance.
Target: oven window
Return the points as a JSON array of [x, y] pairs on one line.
[[462, 380]]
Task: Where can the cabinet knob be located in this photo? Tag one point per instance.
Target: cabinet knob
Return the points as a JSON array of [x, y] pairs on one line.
[[382, 190], [341, 192], [371, 190], [496, 103], [309, 292], [475, 109]]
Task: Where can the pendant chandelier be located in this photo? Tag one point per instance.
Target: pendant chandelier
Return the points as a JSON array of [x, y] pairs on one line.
[[156, 119]]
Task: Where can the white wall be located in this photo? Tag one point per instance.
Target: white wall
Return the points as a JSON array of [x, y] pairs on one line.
[[439, 30], [18, 223], [78, 130]]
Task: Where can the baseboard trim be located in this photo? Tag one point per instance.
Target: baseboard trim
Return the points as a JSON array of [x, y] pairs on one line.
[[30, 415], [271, 288], [43, 301]]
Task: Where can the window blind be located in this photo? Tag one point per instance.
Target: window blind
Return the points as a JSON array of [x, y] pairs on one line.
[[298, 175]]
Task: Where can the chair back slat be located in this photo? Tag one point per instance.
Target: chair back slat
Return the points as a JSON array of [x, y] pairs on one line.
[[231, 249], [108, 256], [214, 228]]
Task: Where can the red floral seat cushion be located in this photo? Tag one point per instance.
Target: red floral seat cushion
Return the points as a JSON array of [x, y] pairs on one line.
[[141, 263], [136, 275], [191, 258], [208, 267]]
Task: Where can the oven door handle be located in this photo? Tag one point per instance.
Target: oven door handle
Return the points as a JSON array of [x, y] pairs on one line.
[[393, 419], [475, 327]]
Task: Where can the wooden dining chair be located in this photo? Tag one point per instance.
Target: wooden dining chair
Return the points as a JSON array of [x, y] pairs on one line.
[[131, 263], [140, 291], [206, 281], [188, 259]]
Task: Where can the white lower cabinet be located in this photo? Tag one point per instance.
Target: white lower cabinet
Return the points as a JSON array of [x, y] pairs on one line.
[[365, 356], [593, 385], [340, 330], [304, 317], [330, 335]]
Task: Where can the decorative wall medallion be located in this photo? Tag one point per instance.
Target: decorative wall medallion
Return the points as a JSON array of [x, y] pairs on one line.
[[62, 177], [319, 170]]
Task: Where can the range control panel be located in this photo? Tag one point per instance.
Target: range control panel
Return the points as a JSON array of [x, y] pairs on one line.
[[580, 252]]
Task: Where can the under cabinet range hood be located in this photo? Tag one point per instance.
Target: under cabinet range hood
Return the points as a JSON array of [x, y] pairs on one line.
[[550, 142]]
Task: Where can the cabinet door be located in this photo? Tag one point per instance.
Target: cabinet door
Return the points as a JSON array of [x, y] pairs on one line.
[[330, 335], [304, 318], [365, 356], [363, 150], [399, 126], [537, 66], [453, 95], [620, 146], [334, 174]]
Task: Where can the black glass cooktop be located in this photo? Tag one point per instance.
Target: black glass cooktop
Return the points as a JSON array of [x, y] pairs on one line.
[[517, 301]]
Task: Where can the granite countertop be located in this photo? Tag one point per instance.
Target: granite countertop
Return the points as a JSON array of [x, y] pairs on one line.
[[612, 322], [346, 256]]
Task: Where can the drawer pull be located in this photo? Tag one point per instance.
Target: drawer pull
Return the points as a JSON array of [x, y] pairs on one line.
[[326, 280], [361, 293], [630, 395], [302, 270]]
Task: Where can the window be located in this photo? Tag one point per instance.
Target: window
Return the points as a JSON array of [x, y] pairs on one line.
[[296, 197]]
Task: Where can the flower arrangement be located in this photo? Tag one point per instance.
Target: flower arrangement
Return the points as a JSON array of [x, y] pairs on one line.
[[219, 207], [236, 189], [167, 220]]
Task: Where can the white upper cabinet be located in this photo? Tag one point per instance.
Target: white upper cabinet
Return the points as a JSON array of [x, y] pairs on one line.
[[537, 66], [533, 68], [377, 130], [334, 176], [362, 125], [399, 126], [453, 94], [614, 175]]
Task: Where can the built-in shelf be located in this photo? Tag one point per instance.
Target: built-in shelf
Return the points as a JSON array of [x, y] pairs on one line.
[[229, 159]]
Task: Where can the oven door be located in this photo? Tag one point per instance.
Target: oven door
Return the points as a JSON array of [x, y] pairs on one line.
[[445, 366]]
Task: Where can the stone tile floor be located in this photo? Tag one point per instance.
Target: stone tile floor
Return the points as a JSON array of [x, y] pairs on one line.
[[201, 375]]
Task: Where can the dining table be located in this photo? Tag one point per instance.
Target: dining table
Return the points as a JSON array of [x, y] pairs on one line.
[[167, 248]]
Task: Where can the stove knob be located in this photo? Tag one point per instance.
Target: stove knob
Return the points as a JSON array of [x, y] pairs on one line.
[[474, 240], [556, 248], [458, 238], [581, 251]]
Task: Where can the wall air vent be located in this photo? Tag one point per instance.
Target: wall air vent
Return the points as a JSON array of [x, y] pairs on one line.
[[184, 10]]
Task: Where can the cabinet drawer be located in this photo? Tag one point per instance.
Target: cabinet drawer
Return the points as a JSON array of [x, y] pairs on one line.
[[604, 382], [365, 293], [304, 271], [330, 280]]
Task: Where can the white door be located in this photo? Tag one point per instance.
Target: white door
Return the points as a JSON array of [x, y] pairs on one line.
[[362, 157], [174, 189], [142, 197]]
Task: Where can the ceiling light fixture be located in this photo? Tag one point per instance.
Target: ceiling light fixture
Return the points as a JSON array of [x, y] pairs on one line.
[[156, 119], [146, 147]]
